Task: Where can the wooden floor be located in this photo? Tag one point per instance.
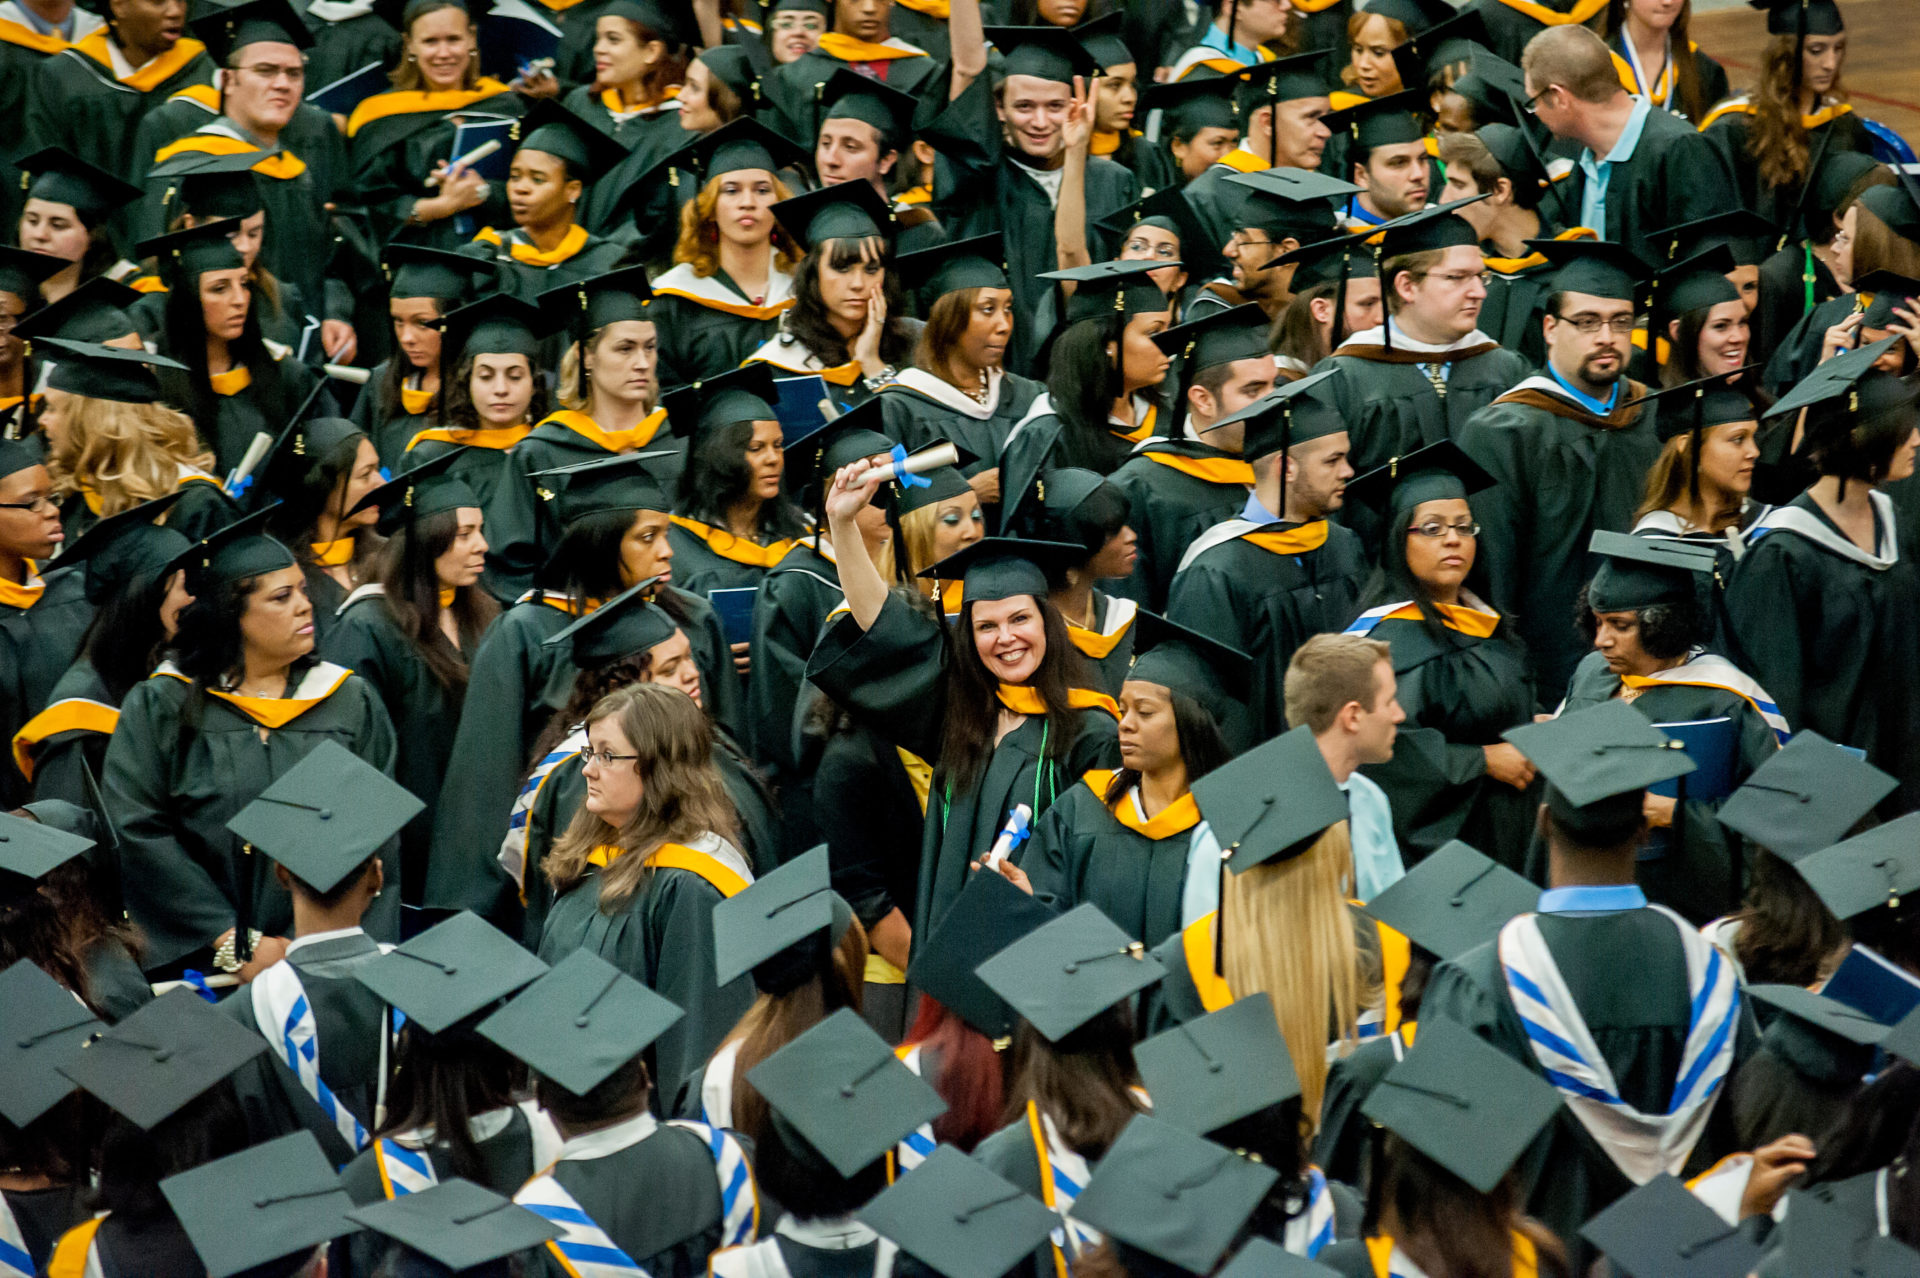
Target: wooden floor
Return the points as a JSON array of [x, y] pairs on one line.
[[1883, 55]]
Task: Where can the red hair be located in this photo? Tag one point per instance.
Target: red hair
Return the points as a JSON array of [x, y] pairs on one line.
[[971, 1081]]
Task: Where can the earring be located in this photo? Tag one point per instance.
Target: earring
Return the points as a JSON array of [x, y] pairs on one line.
[[411, 58]]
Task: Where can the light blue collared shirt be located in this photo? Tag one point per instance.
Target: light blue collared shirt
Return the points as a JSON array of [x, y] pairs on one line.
[[1376, 853], [1215, 38], [1598, 407], [1254, 512], [1593, 198], [1593, 900]]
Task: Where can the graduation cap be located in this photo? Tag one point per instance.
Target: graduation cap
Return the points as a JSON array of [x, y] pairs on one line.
[[1262, 1258], [670, 20], [450, 971], [1829, 1016], [551, 129], [1847, 393], [1820, 1238], [944, 483], [996, 568], [843, 211], [1903, 1038], [1877, 868], [1889, 289], [457, 1224], [1454, 900], [1272, 802], [1174, 1195], [1598, 268], [1894, 205], [1494, 86], [1426, 231], [58, 176], [497, 324], [1463, 1103], [813, 459], [227, 29], [1394, 120], [1518, 156], [1112, 288], [156, 1061], [1201, 99], [267, 1202], [782, 928], [989, 915], [846, 1094], [1437, 472], [1698, 406], [626, 482], [848, 95], [581, 1021], [1661, 1230], [1043, 52], [1189, 663], [745, 144], [303, 444], [588, 305], [210, 186], [1294, 413], [1335, 260], [1068, 971], [626, 624], [42, 1027], [1216, 338], [327, 816], [1416, 16], [185, 255], [958, 1218], [978, 262], [1067, 504], [1831, 176], [1598, 763], [733, 66], [1747, 237], [94, 312], [104, 372], [1286, 203], [17, 455], [1691, 285], [1802, 18], [1169, 210], [1101, 38], [22, 271], [414, 270], [241, 549], [429, 488], [744, 394], [1642, 572], [1805, 797], [1209, 1073], [1450, 41]]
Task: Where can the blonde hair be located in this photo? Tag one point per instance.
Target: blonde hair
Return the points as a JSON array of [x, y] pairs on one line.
[[1327, 672], [572, 390], [701, 251], [1286, 930], [918, 531], [683, 796], [407, 77], [124, 453]]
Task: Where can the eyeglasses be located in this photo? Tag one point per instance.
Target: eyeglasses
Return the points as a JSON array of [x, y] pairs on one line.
[[1530, 105], [1591, 324], [40, 505], [1146, 248], [602, 759], [1435, 529], [798, 22], [1454, 279], [1240, 239]]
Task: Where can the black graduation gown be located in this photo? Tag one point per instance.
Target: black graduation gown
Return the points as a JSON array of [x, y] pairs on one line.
[[708, 325], [1799, 350], [1640, 1027], [69, 734], [1460, 689], [1343, 1146], [22, 50], [1515, 301], [655, 129], [1215, 200], [1709, 74], [343, 47], [202, 508], [919, 408], [793, 89], [1509, 25], [567, 438], [1083, 851], [1829, 633], [1696, 868], [795, 597], [1560, 474], [1266, 590], [131, 1246], [172, 784], [42, 1215], [893, 679], [706, 558], [393, 142], [862, 793], [1729, 126], [1106, 654], [507, 504], [526, 272], [1792, 282], [249, 409], [1799, 1080], [1176, 489], [391, 421], [1044, 442], [1674, 175], [39, 638]]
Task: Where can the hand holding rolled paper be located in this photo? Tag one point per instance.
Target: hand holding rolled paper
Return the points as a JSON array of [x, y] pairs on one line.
[[918, 463]]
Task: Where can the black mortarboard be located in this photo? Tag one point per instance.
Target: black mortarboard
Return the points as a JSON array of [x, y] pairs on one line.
[[1304, 75], [1820, 1238], [17, 455], [1802, 17], [304, 444], [624, 482], [163, 1056], [1661, 1230], [1463, 1103], [1426, 231], [1208, 1073], [497, 324], [1190, 663], [792, 909], [843, 211], [1745, 234], [1805, 797], [1512, 149], [1415, 15], [1272, 802], [1044, 52], [670, 20], [978, 262], [944, 483], [1903, 1039], [22, 271], [457, 1224], [1286, 203], [1888, 289], [1066, 504], [241, 549], [1112, 288], [581, 1021], [989, 915], [326, 815], [267, 1202], [591, 304], [1201, 99], [1453, 900], [626, 624], [210, 187], [58, 176], [1433, 473], [42, 1027], [848, 95], [1215, 338], [1170, 211], [743, 394], [1448, 37], [103, 372], [733, 65], [553, 130], [226, 29], [1101, 38], [1598, 763], [1495, 87], [29, 851], [844, 1091], [1694, 284], [1698, 406], [1002, 567], [1640, 572], [185, 255], [416, 271], [1598, 268], [430, 488], [94, 312], [1292, 413], [1262, 1258], [959, 1219], [1174, 1195], [1877, 868], [1393, 120], [1829, 1016], [450, 971], [1834, 175], [1896, 206], [1847, 390], [1328, 261], [1065, 973], [857, 433], [741, 145]]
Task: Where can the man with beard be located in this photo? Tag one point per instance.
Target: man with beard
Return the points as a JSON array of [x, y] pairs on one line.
[[1280, 107], [1568, 450], [1381, 147]]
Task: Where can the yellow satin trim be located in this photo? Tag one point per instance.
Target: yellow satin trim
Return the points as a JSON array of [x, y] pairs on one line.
[[1658, 94], [1526, 1264], [526, 254], [152, 75], [1641, 682], [614, 441], [205, 95], [941, 9], [1396, 955], [415, 403], [26, 37], [498, 438], [1825, 115], [1661, 352], [231, 382], [953, 597], [919, 775], [1197, 944], [1314, 6], [616, 105], [1143, 431], [845, 48], [1024, 700], [1294, 541], [1244, 161], [446, 596], [1582, 12], [1514, 265], [1094, 644], [744, 310], [840, 374], [558, 6], [270, 712], [916, 195], [1467, 621], [675, 856], [282, 165], [414, 101], [74, 715], [23, 596], [1223, 64], [92, 499], [332, 554], [1176, 818], [147, 284], [69, 1259], [1104, 143], [1342, 99], [1212, 470], [737, 549]]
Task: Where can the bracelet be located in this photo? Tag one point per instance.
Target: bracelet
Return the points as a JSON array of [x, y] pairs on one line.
[[225, 956], [887, 373]]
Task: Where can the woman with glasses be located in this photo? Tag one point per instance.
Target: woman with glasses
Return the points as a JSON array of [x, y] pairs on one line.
[[35, 648], [794, 27], [1463, 677]]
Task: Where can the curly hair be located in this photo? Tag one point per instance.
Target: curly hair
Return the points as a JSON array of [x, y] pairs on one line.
[[699, 242], [124, 454], [1667, 630], [807, 319], [590, 688], [1777, 140], [462, 415]]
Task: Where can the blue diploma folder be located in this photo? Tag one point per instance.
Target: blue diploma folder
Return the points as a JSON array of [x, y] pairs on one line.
[[350, 90], [799, 406], [1713, 745], [1868, 983], [735, 608]]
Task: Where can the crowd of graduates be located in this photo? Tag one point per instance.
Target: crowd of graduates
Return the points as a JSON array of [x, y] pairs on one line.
[[660, 638]]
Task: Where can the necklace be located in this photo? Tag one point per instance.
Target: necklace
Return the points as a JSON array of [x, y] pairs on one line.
[[979, 396]]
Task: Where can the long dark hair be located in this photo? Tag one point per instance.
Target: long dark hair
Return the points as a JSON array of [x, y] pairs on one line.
[[1879, 1128], [807, 319], [1394, 580], [208, 648], [1202, 747], [32, 929], [1082, 379], [1470, 1232], [973, 703], [717, 475], [588, 556], [1296, 333], [1777, 142], [124, 639], [1081, 1081], [323, 482], [458, 396], [444, 1081], [413, 597], [1786, 931], [185, 327]]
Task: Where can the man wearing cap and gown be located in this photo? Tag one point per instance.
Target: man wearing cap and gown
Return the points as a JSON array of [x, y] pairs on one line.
[[526, 267], [1277, 108], [1641, 1063], [1380, 145], [41, 624], [1277, 211], [866, 129], [861, 42], [1568, 449], [1281, 572]]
